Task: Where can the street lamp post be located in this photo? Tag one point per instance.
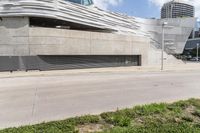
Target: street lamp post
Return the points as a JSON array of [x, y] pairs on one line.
[[197, 52], [163, 45]]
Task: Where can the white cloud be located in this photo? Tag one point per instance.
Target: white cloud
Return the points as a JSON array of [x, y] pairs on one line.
[[196, 3], [104, 4]]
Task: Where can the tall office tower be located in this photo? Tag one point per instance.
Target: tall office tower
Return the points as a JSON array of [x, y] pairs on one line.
[[177, 9]]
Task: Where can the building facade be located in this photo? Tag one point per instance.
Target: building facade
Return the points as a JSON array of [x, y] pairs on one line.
[[61, 34], [180, 9], [177, 9]]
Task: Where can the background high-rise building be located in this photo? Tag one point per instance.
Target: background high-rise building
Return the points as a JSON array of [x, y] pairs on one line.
[[176, 9]]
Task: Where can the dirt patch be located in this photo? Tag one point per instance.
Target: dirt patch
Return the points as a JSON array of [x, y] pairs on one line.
[[189, 114], [190, 109], [91, 128]]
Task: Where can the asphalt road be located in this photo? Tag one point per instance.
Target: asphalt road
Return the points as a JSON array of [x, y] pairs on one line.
[[28, 100]]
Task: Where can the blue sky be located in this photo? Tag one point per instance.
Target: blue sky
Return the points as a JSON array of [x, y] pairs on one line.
[[139, 8]]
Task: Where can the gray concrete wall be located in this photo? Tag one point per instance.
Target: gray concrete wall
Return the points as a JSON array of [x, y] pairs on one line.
[[48, 41], [14, 36], [176, 32], [18, 39]]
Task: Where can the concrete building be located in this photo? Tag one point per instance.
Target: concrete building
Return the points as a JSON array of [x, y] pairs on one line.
[[177, 9], [59, 34], [180, 9]]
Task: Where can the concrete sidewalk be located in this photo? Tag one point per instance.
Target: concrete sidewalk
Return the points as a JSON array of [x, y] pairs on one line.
[[176, 67]]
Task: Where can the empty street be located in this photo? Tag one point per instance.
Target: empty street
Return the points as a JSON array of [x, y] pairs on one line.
[[34, 99]]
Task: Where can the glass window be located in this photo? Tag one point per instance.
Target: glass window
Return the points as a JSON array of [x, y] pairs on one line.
[[90, 2], [86, 2], [82, 2], [75, 1]]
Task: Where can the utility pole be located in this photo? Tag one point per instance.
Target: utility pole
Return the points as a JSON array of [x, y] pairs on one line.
[[163, 45], [197, 52]]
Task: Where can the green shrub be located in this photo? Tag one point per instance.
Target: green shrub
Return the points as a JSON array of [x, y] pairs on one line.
[[86, 119], [150, 109], [116, 119]]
